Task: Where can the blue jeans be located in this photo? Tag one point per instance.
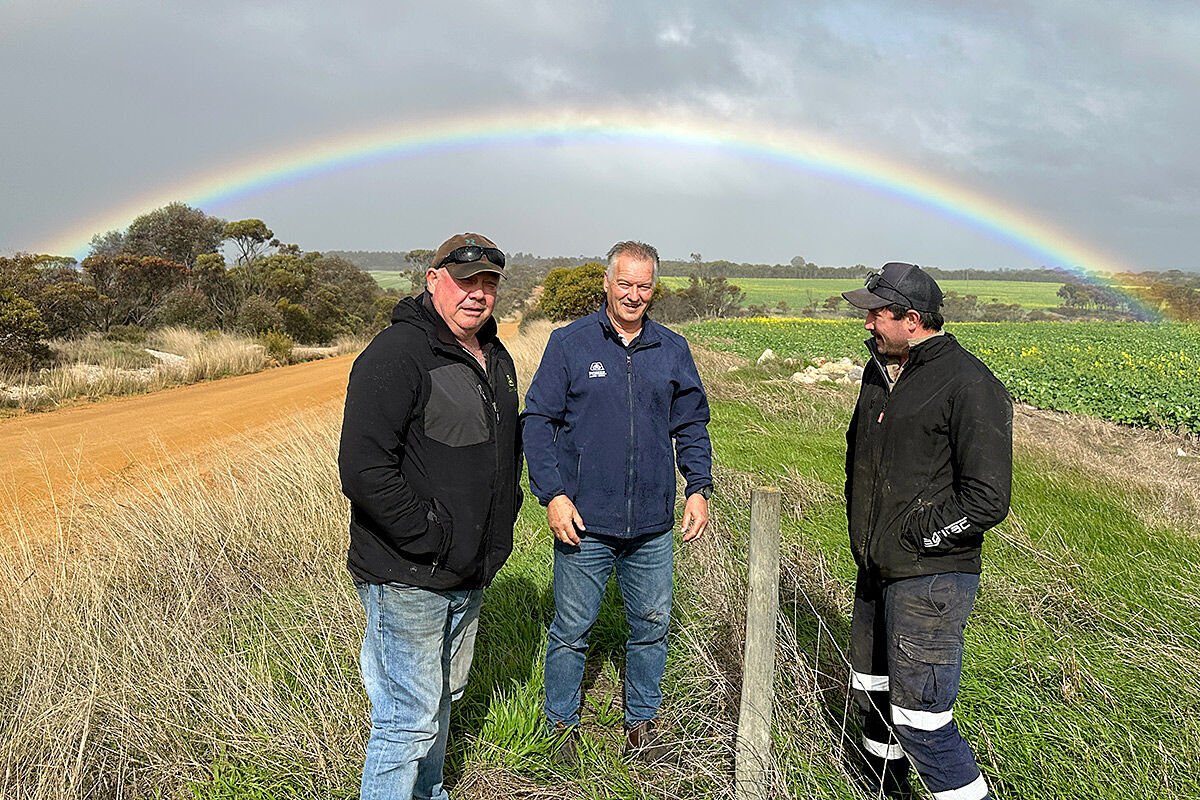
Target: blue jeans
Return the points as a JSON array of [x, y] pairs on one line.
[[416, 653], [644, 566], [906, 650]]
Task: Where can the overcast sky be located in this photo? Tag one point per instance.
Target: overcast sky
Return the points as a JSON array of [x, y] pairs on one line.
[[1083, 116]]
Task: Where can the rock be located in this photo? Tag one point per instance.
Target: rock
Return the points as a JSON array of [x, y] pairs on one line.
[[767, 355], [166, 358], [855, 373]]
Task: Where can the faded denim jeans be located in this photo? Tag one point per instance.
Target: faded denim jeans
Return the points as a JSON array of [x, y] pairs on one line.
[[416, 653], [643, 565]]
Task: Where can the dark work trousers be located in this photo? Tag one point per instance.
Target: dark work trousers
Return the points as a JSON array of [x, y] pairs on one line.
[[906, 653]]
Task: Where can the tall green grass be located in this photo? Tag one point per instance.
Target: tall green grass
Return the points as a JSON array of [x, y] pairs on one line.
[[1080, 676]]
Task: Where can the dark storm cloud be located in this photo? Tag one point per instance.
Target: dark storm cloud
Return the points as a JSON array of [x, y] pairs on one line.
[[1079, 113]]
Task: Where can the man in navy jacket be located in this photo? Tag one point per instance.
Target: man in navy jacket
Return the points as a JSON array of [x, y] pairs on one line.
[[615, 406]]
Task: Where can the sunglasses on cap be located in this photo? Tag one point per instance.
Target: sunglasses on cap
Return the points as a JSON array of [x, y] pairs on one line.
[[472, 253], [875, 280]]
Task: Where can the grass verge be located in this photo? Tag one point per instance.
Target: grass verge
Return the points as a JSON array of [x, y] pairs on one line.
[[196, 634]]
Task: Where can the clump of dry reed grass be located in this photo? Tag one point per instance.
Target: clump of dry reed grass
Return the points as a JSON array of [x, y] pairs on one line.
[[711, 607], [92, 367], [203, 617]]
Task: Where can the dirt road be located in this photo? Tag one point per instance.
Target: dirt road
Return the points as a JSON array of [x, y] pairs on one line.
[[49, 457]]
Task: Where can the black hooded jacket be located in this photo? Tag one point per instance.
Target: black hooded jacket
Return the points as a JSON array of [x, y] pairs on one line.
[[928, 463], [430, 455]]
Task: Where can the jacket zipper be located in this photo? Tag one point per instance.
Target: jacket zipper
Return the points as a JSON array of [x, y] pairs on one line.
[[879, 421], [629, 448], [875, 478], [488, 398]]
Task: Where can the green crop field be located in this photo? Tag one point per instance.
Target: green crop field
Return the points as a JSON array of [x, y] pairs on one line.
[[811, 292], [1136, 373], [390, 279]]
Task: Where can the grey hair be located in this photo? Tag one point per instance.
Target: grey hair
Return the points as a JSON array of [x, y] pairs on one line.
[[639, 251]]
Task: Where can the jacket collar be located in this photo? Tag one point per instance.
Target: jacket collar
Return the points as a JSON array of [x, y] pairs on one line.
[[649, 335], [926, 350], [440, 331]]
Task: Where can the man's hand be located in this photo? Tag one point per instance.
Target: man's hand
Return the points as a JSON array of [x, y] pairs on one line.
[[695, 517], [563, 518]]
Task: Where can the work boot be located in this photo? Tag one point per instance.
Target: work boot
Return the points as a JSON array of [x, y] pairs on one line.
[[649, 743], [564, 752], [886, 778]]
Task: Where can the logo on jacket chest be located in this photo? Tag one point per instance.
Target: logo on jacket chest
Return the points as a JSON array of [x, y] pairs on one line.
[[596, 370]]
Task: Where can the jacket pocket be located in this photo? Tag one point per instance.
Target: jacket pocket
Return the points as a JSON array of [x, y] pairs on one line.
[[913, 524], [430, 546], [442, 523], [897, 532], [456, 414]]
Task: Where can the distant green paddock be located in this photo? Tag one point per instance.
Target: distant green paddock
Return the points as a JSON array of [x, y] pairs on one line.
[[811, 292], [390, 279], [1137, 373]]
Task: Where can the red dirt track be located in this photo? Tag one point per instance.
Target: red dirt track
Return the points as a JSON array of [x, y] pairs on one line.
[[49, 459], [70, 452]]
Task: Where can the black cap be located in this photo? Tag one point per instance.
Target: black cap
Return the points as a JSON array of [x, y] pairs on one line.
[[898, 284]]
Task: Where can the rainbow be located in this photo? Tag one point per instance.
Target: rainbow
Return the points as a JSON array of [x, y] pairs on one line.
[[794, 149]]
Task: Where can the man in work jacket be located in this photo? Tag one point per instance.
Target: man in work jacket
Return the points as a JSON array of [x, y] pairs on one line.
[[615, 404], [928, 470], [430, 459]]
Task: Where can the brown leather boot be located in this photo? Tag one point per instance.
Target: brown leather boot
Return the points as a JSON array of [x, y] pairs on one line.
[[649, 743], [564, 752]]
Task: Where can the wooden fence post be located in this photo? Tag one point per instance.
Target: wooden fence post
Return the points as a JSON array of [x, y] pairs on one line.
[[758, 664]]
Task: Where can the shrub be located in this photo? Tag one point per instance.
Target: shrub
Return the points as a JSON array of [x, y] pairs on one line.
[[298, 322], [259, 315], [186, 306], [572, 293], [133, 334], [278, 346], [22, 332]]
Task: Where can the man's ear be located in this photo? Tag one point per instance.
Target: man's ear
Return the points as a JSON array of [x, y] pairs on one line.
[[913, 318]]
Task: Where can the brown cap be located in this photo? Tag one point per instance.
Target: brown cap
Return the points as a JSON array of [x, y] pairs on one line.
[[467, 254]]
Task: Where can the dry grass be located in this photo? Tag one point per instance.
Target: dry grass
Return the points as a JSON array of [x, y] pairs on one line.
[[95, 368], [1147, 460], [200, 617], [527, 348]]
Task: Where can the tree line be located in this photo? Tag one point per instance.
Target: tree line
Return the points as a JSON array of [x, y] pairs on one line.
[[166, 268]]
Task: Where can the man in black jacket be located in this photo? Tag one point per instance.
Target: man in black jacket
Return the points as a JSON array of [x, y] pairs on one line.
[[430, 460], [928, 470]]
